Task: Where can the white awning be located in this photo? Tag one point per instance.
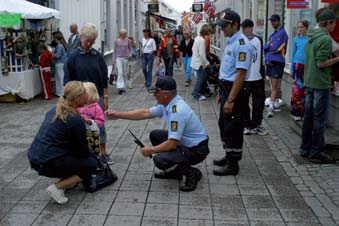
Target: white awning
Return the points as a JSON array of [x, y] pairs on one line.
[[27, 9]]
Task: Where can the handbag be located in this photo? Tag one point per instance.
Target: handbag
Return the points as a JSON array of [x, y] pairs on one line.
[[102, 177], [113, 76], [93, 138]]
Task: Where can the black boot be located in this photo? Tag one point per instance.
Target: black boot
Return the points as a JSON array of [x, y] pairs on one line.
[[230, 169], [220, 162], [192, 179], [171, 175]]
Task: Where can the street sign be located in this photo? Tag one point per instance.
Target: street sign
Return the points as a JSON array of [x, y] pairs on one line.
[[153, 8], [197, 8]]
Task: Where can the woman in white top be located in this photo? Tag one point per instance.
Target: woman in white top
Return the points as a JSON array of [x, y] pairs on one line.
[[199, 61], [148, 49]]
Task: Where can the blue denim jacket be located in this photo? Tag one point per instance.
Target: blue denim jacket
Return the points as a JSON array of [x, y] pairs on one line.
[[59, 54]]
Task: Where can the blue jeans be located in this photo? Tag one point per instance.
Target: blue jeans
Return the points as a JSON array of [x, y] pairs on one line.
[[147, 67], [169, 65], [187, 67], [314, 124], [198, 82]]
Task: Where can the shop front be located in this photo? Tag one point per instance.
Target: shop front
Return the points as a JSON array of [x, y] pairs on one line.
[[23, 27]]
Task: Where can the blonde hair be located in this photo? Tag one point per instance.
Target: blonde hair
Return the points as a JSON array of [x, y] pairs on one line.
[[92, 92], [122, 31], [64, 107], [89, 31]]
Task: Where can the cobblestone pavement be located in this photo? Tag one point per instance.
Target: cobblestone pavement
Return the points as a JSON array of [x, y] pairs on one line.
[[274, 187]]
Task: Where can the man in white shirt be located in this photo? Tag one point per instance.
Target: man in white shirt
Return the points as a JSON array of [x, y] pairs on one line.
[[255, 84], [148, 50]]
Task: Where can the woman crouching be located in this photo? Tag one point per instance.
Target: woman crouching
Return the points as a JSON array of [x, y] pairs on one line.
[[60, 148]]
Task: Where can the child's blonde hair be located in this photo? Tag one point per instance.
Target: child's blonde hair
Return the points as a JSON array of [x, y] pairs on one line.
[[92, 92]]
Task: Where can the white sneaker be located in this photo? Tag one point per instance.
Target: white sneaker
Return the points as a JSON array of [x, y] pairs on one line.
[[57, 194], [270, 112], [297, 118], [276, 106], [247, 131], [202, 98]]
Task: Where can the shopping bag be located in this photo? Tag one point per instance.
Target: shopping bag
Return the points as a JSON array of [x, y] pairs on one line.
[[160, 69], [113, 76], [102, 177], [93, 137]]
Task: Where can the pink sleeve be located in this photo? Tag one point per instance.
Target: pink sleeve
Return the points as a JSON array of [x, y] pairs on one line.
[[99, 116]]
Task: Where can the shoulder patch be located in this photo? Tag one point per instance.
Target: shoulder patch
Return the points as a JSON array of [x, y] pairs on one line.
[[241, 41], [242, 56], [174, 125], [174, 109]]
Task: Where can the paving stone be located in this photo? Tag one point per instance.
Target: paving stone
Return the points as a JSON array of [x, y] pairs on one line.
[[147, 221], [123, 221], [230, 223], [301, 187], [26, 207], [52, 219], [101, 196], [163, 197], [258, 214], [135, 185], [127, 209], [258, 201], [327, 221], [227, 201], [268, 223], [87, 220], [131, 196], [222, 189], [164, 185], [230, 214], [290, 202], [193, 199], [54, 208], [195, 212], [246, 189], [12, 194], [190, 222], [95, 208], [161, 210], [18, 219], [282, 190], [295, 215]]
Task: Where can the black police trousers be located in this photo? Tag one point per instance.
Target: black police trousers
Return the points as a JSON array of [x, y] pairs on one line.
[[231, 125], [182, 158]]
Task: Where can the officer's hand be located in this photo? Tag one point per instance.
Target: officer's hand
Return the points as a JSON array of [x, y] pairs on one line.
[[228, 108], [146, 151], [218, 99], [111, 114]]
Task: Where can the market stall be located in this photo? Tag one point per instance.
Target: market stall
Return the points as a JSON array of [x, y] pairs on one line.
[[20, 35]]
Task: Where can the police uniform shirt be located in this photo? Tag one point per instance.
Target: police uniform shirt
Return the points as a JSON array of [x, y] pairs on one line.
[[182, 123], [238, 54]]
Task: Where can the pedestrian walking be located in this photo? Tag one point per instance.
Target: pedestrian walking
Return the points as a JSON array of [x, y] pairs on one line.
[[183, 144], [199, 62], [60, 149], [74, 38], [168, 51], [317, 80], [185, 47], [297, 71], [87, 64], [122, 52], [45, 63], [234, 69], [59, 58], [275, 50], [148, 50], [254, 85]]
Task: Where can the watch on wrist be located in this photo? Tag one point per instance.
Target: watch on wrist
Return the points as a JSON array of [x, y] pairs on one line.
[[231, 101], [152, 151]]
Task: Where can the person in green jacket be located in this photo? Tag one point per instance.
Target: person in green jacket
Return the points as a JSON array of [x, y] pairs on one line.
[[317, 80]]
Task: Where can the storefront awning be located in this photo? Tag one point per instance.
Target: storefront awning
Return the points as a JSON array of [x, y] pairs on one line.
[[165, 19]]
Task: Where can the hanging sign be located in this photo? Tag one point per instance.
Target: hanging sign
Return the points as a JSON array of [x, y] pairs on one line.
[[297, 4], [8, 20]]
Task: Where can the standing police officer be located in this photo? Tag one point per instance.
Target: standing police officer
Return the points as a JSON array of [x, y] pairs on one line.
[[234, 69], [183, 145]]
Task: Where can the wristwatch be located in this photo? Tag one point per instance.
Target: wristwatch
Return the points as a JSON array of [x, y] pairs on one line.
[[231, 101], [152, 151]]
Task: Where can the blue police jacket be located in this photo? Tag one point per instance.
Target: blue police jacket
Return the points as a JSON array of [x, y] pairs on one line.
[[238, 54], [181, 121]]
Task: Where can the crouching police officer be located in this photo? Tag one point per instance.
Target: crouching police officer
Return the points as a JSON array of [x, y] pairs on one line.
[[183, 145], [235, 65]]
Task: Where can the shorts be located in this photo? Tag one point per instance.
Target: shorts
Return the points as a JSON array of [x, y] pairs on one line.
[[275, 69]]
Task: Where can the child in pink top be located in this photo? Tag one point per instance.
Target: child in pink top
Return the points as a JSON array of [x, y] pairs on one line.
[[92, 114]]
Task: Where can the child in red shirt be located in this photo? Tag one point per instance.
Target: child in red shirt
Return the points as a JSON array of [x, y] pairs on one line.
[[45, 62]]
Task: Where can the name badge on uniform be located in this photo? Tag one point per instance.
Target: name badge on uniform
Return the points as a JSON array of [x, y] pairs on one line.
[[174, 109], [242, 56], [174, 125]]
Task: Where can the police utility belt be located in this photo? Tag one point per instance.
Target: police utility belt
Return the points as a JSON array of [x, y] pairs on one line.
[[225, 85], [202, 143]]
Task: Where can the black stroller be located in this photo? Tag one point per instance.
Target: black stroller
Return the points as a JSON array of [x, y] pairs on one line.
[[212, 75]]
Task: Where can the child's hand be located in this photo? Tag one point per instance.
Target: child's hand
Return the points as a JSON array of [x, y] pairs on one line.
[[88, 121], [111, 114]]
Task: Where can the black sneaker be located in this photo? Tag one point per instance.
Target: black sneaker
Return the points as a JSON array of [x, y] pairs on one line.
[[230, 169], [323, 158], [191, 181], [170, 175]]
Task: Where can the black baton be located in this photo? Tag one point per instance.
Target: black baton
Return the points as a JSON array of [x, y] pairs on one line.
[[137, 141]]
